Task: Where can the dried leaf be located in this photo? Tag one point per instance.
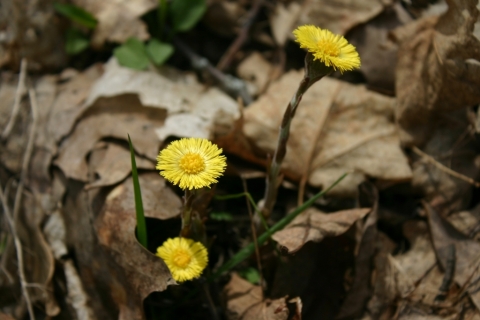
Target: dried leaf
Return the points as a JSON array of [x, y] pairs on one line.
[[340, 16], [337, 128], [361, 291], [110, 118], [117, 20], [245, 301], [115, 165], [435, 71], [282, 21], [255, 69], [313, 225], [467, 257]]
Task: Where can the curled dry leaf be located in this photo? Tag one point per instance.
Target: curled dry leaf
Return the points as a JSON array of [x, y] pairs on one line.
[[360, 292], [110, 118], [467, 253], [337, 128], [117, 272], [313, 225], [245, 302], [340, 16], [436, 71], [115, 165], [117, 20]]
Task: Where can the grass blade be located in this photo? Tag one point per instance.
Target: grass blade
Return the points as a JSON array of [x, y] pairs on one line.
[[141, 224]]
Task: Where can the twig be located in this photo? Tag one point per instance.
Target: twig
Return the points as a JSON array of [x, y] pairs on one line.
[[16, 206], [232, 85], [444, 168], [18, 250], [254, 233], [18, 98], [241, 38]]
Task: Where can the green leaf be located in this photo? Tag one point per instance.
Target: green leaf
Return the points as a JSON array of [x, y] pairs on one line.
[[250, 274], [186, 13], [159, 52], [76, 14], [221, 216], [249, 249], [132, 54], [141, 224], [76, 41]]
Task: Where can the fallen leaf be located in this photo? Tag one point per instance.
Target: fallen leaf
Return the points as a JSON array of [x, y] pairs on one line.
[[282, 21], [412, 265], [117, 20], [436, 73], [245, 301], [467, 253], [337, 128], [361, 290], [255, 69], [116, 271], [340, 16], [378, 53], [313, 225], [110, 118], [115, 165]]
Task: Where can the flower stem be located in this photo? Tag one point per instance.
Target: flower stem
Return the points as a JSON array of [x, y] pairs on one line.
[[281, 149], [187, 213]]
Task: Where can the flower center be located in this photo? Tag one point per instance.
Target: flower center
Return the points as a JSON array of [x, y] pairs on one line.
[[328, 47], [181, 258], [192, 163]]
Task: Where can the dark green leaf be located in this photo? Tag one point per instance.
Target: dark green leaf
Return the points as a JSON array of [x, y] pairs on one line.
[[76, 14], [159, 52], [76, 41], [186, 13], [132, 54], [141, 224]]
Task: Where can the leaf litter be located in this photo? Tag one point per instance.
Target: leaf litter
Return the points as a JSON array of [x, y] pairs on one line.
[[404, 126]]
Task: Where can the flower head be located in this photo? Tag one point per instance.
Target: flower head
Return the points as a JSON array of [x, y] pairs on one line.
[[191, 163], [331, 49], [185, 258]]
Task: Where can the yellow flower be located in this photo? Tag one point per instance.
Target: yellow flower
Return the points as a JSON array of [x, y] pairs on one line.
[[331, 49], [191, 162], [185, 258]]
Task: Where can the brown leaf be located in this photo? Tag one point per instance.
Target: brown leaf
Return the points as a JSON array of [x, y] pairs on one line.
[[377, 52], [245, 301], [416, 262], [255, 69], [361, 291], [337, 128], [117, 20], [313, 225], [434, 74], [467, 253], [115, 165], [110, 118], [116, 225], [340, 16]]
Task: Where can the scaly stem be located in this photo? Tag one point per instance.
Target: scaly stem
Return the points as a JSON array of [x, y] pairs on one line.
[[281, 149], [187, 213]]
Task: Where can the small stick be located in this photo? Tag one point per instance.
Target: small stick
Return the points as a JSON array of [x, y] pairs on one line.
[[232, 85], [19, 252], [18, 98], [444, 168], [241, 38]]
